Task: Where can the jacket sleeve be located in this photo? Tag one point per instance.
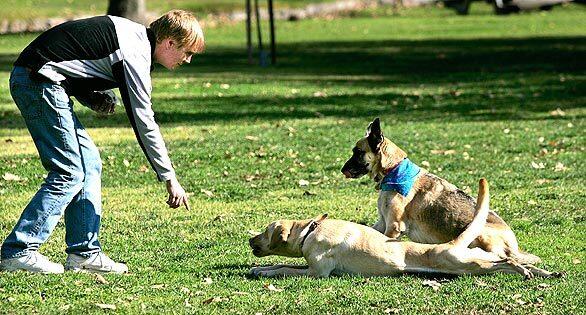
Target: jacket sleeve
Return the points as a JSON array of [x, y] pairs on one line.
[[133, 76]]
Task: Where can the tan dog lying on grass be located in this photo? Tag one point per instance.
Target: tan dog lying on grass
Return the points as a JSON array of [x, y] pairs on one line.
[[425, 207], [342, 247]]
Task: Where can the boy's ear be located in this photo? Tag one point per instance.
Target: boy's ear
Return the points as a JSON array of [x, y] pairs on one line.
[[374, 135]]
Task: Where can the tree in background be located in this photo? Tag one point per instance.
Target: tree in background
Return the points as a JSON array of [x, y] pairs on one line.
[[131, 9]]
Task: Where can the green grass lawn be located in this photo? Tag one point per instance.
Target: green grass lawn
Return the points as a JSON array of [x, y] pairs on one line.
[[31, 9], [478, 96]]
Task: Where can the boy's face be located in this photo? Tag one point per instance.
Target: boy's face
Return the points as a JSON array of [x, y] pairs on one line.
[[170, 55]]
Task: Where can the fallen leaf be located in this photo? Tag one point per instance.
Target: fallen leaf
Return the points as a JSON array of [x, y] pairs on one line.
[[11, 177], [558, 112], [157, 286], [143, 168], [224, 86], [303, 182], [215, 300], [65, 307], [433, 284], [208, 280], [542, 286], [559, 167], [319, 94], [517, 298], [106, 306], [443, 152], [207, 193], [101, 279], [425, 163], [271, 287], [576, 261], [207, 85], [126, 163], [251, 138], [537, 166]]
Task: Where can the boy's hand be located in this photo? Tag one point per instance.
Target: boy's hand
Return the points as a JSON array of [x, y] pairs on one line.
[[177, 195], [103, 102]]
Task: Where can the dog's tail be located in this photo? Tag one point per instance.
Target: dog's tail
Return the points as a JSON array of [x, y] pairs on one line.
[[475, 227]]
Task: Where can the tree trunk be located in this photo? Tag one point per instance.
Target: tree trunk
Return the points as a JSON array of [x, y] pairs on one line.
[[131, 9]]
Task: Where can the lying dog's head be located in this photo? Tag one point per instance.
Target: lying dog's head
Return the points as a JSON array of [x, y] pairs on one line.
[[282, 238], [373, 155]]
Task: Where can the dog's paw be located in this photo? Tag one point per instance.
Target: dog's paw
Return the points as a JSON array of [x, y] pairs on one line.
[[559, 274], [255, 271], [400, 226], [396, 230]]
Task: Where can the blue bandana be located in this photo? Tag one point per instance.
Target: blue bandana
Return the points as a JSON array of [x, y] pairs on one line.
[[401, 178]]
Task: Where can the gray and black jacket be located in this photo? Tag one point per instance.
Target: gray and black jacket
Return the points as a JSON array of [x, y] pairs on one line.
[[102, 53]]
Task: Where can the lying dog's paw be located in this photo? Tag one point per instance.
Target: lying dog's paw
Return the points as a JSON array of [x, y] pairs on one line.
[[255, 271], [396, 230]]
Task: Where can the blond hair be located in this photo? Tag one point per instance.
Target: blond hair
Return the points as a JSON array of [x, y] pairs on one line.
[[182, 27]]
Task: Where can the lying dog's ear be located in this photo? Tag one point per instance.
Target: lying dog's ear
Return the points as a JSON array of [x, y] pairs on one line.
[[320, 218], [374, 135], [279, 236]]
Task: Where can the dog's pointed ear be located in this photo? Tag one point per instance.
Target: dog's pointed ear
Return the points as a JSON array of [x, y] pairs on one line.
[[320, 218], [374, 135], [279, 236]]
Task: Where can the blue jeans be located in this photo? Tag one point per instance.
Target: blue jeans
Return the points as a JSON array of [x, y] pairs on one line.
[[73, 184]]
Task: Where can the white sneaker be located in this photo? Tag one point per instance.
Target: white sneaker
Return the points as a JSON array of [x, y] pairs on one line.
[[96, 263], [32, 262]]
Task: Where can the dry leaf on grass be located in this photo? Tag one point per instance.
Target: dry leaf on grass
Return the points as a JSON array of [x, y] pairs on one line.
[[158, 286], [518, 300], [303, 182], [558, 112], [559, 167], [208, 280], [207, 192], [251, 138], [106, 306], [101, 279], [271, 287], [11, 177], [215, 300], [126, 163], [537, 166], [433, 284]]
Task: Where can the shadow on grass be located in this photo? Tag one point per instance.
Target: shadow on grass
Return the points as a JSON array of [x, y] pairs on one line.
[[517, 68]]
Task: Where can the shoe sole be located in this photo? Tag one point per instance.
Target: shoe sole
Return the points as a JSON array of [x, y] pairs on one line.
[[10, 269], [86, 270]]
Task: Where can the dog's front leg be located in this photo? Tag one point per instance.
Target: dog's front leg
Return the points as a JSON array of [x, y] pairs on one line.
[[391, 206], [280, 271], [256, 270], [379, 225]]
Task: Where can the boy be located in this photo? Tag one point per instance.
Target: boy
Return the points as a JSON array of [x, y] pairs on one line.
[[82, 58]]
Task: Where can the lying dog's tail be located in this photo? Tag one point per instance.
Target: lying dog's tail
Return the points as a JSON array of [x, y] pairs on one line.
[[475, 227]]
